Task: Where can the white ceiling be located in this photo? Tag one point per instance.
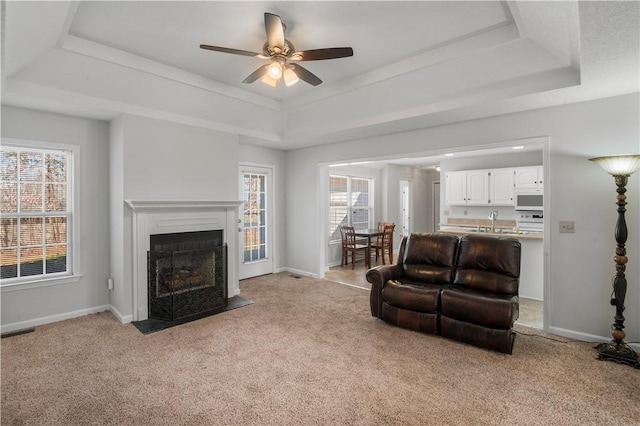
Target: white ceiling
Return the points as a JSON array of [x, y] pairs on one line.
[[380, 33], [416, 64]]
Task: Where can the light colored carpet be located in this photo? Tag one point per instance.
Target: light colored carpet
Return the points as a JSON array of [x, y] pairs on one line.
[[306, 352]]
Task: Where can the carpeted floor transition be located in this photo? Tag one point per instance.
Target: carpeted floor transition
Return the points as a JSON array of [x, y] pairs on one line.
[[306, 352]]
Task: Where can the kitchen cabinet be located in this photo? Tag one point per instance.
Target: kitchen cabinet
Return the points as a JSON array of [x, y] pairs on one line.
[[478, 188], [467, 188], [529, 177], [492, 187], [501, 184], [456, 188]]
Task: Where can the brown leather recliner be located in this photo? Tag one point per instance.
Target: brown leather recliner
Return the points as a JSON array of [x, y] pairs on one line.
[[465, 289], [408, 294], [482, 305]]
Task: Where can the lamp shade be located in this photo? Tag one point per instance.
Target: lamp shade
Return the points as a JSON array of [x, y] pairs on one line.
[[275, 70], [619, 165], [290, 77]]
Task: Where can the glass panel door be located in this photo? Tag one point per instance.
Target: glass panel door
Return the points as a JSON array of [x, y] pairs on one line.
[[256, 221], [255, 217]]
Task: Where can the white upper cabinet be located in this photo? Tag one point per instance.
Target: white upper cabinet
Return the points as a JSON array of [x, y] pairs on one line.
[[494, 187], [529, 177], [467, 188], [456, 189], [501, 182], [478, 188]]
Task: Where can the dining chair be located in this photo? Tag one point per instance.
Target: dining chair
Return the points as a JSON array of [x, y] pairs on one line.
[[384, 243], [349, 244]]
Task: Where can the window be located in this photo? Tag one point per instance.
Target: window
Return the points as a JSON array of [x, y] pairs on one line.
[[36, 208], [350, 203], [255, 217]]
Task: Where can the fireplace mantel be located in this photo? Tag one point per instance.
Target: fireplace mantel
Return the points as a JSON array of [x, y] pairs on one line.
[[157, 216], [152, 205]]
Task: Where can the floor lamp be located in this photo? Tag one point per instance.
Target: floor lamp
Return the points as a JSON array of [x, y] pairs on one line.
[[620, 167]]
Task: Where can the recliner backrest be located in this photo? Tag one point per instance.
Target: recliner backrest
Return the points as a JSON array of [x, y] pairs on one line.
[[430, 258], [490, 264]]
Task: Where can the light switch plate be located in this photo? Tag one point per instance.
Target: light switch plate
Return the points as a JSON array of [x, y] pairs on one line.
[[567, 227]]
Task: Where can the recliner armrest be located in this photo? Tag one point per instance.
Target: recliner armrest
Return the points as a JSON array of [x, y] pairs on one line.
[[378, 277]]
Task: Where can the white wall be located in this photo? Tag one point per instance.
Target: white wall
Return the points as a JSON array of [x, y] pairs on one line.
[[165, 160], [119, 298], [580, 264], [23, 308]]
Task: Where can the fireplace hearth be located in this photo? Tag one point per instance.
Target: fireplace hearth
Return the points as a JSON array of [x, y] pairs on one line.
[[187, 275]]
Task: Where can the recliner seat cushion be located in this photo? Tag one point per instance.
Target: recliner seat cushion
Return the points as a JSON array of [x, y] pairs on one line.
[[416, 297], [478, 307]]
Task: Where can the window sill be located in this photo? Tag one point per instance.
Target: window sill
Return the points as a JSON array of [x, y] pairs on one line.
[[44, 282]]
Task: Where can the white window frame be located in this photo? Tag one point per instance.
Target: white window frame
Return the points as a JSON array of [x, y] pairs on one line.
[[73, 272], [369, 208], [265, 225]]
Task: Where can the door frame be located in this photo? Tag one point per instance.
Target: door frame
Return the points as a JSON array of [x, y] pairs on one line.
[[405, 183], [266, 266]]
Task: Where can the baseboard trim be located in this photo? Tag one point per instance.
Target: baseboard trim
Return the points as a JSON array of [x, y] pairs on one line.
[[21, 325], [299, 272], [124, 319], [585, 337]]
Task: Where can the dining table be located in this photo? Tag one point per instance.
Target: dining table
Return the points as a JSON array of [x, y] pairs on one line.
[[373, 233]]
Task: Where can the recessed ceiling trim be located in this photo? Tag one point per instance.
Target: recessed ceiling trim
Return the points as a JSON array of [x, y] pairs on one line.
[[451, 50], [542, 81], [109, 54], [49, 95], [71, 13]]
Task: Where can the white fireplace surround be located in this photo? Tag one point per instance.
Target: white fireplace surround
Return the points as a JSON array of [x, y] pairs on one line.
[[168, 216]]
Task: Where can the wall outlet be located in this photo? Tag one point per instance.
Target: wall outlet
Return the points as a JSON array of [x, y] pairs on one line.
[[110, 283], [465, 212], [445, 213], [567, 227]]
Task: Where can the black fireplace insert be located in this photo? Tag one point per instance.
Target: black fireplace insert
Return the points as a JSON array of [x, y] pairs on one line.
[[187, 275]]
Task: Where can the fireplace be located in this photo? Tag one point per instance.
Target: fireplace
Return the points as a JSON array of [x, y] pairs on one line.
[[164, 217], [187, 275]]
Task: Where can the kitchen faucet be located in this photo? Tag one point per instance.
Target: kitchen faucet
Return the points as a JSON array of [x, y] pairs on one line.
[[493, 216]]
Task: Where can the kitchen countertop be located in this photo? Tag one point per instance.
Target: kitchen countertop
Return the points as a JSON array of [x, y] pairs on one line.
[[529, 235]]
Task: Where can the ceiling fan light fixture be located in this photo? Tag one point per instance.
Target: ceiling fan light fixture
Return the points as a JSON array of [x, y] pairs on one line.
[[270, 81], [281, 51], [290, 76], [275, 70]]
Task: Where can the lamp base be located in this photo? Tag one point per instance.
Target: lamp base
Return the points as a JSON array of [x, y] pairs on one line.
[[618, 351]]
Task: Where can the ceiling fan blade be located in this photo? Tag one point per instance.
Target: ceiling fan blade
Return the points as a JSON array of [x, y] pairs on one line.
[[306, 75], [275, 32], [320, 54], [260, 72], [233, 51]]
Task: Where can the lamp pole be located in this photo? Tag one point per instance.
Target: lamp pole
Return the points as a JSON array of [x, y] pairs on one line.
[[621, 167], [617, 350]]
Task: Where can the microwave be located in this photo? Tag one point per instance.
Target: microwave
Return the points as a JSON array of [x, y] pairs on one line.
[[531, 200]]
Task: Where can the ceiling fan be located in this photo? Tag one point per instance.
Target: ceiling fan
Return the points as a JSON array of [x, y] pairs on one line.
[[283, 56]]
